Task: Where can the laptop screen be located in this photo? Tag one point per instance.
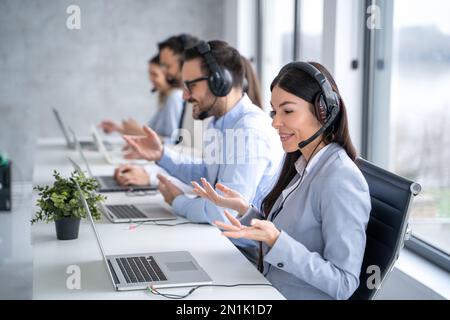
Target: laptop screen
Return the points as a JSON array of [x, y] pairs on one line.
[[62, 127], [80, 151], [91, 220]]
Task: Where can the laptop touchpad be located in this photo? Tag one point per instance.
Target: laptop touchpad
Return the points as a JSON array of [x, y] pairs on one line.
[[181, 266]]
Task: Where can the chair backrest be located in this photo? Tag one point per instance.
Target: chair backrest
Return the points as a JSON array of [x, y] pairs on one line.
[[391, 197]]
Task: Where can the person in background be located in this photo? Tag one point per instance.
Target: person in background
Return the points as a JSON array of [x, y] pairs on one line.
[[310, 227], [167, 117], [171, 56], [241, 147], [129, 174]]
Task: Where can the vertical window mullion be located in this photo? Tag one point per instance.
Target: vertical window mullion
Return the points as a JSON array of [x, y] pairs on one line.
[[297, 31]]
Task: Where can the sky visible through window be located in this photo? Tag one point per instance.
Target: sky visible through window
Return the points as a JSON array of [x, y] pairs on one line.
[[420, 112]]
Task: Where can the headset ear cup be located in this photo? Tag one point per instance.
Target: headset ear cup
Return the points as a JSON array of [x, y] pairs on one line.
[[228, 81], [320, 108], [221, 83], [220, 80]]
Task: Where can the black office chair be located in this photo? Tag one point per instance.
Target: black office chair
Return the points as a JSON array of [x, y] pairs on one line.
[[391, 196]]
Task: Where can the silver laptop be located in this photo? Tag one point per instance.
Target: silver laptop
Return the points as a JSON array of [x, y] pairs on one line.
[[109, 183], [157, 269], [69, 142], [125, 213], [112, 156]]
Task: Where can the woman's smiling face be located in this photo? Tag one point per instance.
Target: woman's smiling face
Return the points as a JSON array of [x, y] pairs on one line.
[[293, 118]]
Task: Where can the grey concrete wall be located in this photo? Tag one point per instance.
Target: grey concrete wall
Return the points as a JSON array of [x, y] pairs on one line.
[[97, 72]]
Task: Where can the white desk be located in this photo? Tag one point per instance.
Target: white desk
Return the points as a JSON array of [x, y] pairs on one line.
[[16, 265], [215, 253]]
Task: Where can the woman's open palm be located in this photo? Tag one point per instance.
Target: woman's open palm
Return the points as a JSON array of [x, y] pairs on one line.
[[230, 198]]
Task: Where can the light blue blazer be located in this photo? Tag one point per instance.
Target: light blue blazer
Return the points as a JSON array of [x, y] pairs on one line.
[[167, 118], [319, 252]]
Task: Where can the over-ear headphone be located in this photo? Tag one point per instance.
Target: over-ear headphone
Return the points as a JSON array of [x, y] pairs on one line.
[[326, 103], [220, 80]]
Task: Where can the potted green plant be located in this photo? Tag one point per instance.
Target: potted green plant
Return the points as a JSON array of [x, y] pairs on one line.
[[61, 203]]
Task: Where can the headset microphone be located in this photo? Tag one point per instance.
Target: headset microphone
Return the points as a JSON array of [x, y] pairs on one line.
[[205, 114], [328, 122]]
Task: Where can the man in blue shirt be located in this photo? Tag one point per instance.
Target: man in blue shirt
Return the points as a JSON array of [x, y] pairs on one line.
[[241, 149]]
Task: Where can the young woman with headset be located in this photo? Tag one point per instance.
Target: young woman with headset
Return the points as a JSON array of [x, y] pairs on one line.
[[308, 232]]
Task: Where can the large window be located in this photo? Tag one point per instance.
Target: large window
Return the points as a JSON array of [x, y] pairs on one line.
[[411, 111], [277, 40], [290, 29], [420, 112], [311, 28]]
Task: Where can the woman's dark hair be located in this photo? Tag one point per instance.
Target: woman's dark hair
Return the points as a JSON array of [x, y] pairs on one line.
[[251, 83], [302, 85]]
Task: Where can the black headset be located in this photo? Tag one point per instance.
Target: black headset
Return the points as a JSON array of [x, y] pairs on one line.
[[220, 81], [326, 103]]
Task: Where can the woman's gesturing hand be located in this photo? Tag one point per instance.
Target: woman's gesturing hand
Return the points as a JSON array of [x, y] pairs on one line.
[[260, 230], [230, 198]]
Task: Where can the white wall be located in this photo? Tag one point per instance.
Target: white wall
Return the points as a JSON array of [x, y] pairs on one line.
[[97, 72]]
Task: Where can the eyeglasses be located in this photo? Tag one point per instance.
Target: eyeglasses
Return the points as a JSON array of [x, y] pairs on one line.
[[189, 83]]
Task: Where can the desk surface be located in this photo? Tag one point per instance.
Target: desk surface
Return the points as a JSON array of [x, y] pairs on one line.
[[16, 264], [215, 253]]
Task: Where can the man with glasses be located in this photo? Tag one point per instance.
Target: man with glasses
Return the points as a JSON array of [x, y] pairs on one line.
[[241, 149], [171, 60]]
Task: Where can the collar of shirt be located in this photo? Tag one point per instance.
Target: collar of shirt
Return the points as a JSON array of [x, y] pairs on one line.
[[233, 115], [300, 165]]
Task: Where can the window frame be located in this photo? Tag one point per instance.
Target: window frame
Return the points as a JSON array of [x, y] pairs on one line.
[[370, 64]]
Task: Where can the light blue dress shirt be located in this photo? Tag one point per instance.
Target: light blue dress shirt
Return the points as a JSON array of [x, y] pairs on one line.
[[167, 118], [241, 150], [319, 252]]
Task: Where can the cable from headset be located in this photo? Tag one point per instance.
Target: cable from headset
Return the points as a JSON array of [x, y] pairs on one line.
[[277, 211], [134, 226], [171, 224], [152, 290]]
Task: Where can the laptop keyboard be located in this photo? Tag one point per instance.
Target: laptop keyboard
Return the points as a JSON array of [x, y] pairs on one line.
[[126, 212], [140, 269]]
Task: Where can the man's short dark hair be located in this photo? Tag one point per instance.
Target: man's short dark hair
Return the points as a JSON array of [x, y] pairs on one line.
[[226, 57], [178, 43], [154, 59]]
